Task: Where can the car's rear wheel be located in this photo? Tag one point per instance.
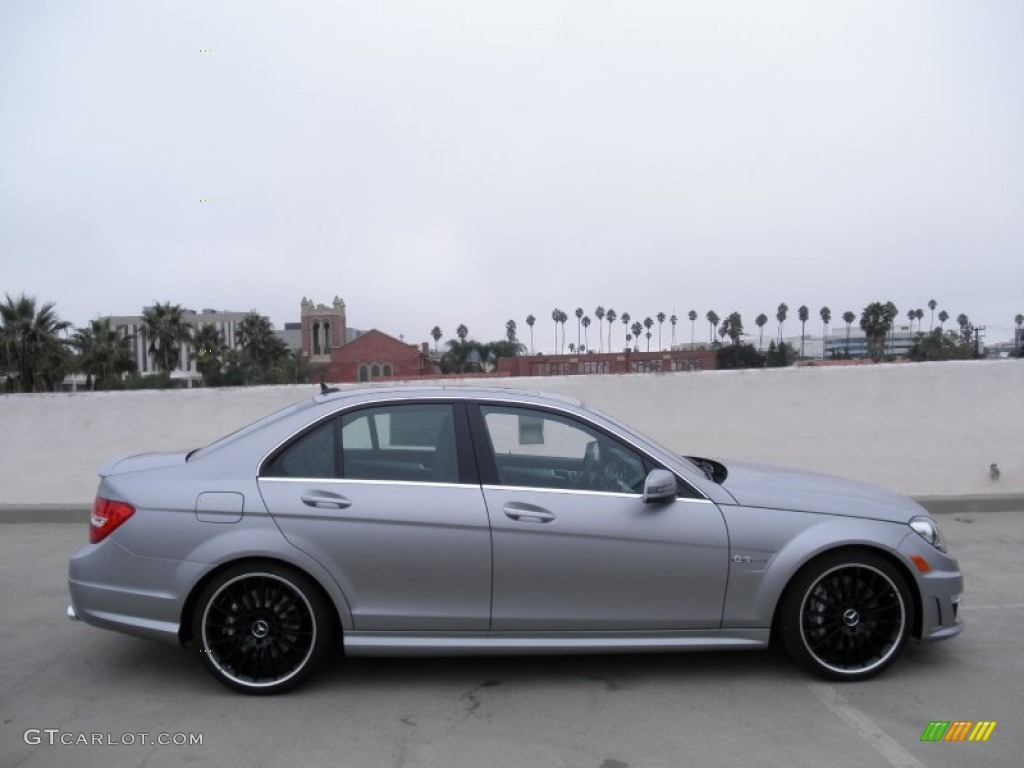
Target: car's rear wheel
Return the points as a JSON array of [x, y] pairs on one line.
[[262, 628], [846, 616]]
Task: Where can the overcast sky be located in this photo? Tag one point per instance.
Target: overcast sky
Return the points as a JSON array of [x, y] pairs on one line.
[[469, 162]]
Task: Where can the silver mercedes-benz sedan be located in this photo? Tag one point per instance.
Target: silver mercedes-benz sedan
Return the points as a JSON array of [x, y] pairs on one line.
[[470, 520]]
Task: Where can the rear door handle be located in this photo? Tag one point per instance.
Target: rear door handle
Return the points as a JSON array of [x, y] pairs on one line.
[[528, 513], [325, 501]]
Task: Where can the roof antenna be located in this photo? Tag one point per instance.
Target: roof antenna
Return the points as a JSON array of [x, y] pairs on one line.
[[325, 390]]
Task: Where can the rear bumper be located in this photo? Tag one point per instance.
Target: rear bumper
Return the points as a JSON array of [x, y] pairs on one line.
[[143, 596]]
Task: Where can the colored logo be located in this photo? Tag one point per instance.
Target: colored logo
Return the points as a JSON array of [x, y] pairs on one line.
[[958, 730]]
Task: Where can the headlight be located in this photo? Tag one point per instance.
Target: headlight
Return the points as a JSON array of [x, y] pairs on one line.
[[928, 530]]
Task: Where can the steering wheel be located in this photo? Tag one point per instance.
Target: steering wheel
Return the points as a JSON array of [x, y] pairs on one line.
[[588, 476], [615, 473]]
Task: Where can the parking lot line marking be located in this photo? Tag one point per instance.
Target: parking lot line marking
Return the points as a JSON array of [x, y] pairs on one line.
[[890, 750], [1001, 607]]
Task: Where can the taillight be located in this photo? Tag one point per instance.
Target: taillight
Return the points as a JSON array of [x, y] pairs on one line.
[[107, 515]]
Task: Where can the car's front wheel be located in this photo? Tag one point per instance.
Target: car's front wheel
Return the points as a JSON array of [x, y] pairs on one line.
[[846, 616], [262, 628]]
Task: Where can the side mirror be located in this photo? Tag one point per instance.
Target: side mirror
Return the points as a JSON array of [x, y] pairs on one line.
[[660, 485]]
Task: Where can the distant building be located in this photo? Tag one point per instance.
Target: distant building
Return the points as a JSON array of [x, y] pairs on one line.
[[898, 343], [291, 335], [347, 354], [135, 326], [608, 362]]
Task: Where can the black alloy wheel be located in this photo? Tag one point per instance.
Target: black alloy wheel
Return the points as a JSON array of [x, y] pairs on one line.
[[846, 616], [262, 628]]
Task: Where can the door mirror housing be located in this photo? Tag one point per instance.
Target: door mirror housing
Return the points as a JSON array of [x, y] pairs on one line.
[[660, 485]]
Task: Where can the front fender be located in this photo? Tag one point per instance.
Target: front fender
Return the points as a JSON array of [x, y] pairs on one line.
[[768, 547]]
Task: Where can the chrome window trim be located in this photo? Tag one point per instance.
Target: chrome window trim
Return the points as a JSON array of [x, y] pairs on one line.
[[357, 481], [582, 492]]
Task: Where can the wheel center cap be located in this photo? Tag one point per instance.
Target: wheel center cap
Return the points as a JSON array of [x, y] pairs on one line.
[[260, 629], [851, 618]]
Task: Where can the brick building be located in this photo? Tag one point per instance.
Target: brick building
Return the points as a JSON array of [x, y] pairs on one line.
[[608, 362], [371, 356]]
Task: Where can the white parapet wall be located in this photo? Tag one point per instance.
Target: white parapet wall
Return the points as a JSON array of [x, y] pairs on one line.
[[930, 429]]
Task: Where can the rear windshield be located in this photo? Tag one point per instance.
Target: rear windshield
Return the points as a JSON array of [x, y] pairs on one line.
[[250, 428]]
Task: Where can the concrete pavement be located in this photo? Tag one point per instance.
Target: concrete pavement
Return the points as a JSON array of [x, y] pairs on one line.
[[706, 709]]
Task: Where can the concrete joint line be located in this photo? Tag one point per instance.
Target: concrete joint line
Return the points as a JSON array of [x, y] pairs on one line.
[[890, 750]]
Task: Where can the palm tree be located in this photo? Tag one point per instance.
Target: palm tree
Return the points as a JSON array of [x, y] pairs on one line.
[[572, 347], [1019, 320], [510, 330], [599, 314], [261, 349], [436, 333], [891, 313], [661, 319], [209, 353], [625, 318], [713, 321], [803, 313], [648, 324], [732, 327], [461, 357], [556, 315], [943, 317], [166, 330], [932, 304], [693, 320], [673, 320], [103, 355], [964, 322], [780, 315], [579, 324], [919, 314], [848, 318], [826, 318], [562, 317], [637, 328], [911, 316], [462, 332], [760, 321], [876, 320], [586, 324], [29, 343], [530, 320], [610, 317]]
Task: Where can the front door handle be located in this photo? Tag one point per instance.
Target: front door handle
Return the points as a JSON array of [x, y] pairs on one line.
[[325, 501], [528, 513]]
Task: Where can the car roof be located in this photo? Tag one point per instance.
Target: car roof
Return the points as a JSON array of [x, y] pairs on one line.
[[455, 392]]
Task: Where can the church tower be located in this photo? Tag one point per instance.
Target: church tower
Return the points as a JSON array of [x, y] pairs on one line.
[[323, 329]]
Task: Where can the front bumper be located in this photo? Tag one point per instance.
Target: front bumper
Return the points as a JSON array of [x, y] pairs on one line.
[[940, 589]]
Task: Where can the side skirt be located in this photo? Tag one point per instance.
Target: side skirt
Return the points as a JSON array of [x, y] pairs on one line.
[[512, 643]]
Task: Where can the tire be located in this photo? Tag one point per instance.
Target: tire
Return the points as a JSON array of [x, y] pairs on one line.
[[262, 628], [846, 616]]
